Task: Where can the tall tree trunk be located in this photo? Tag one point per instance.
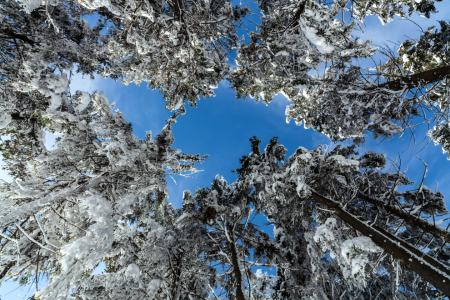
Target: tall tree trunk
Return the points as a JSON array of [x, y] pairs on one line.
[[425, 266], [415, 80], [410, 219], [176, 279], [237, 271]]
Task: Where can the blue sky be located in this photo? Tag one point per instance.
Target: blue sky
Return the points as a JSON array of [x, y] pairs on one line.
[[221, 127]]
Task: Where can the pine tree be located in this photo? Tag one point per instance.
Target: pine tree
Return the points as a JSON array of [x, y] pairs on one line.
[[233, 241], [343, 227], [410, 88], [346, 101], [71, 208], [178, 47], [354, 227]]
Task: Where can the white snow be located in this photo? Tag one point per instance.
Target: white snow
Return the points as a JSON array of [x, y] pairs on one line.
[[342, 161], [5, 119], [284, 53], [84, 99], [320, 42], [133, 272]]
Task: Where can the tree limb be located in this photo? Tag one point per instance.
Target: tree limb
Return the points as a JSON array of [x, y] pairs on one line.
[[425, 266], [410, 219], [415, 80], [6, 269], [13, 35]]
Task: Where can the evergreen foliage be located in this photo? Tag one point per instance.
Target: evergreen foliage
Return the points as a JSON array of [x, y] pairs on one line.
[[344, 226]]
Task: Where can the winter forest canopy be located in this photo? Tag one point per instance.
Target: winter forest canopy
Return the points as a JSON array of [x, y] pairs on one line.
[[334, 220]]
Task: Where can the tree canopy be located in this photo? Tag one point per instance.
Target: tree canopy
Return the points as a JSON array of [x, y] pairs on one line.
[[346, 225]]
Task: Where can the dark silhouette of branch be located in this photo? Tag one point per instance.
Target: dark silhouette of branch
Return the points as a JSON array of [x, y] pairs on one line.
[[415, 80]]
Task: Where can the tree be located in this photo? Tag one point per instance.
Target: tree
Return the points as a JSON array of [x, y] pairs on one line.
[[161, 258], [343, 227], [35, 65], [178, 47], [181, 49], [232, 238], [406, 91], [71, 208], [296, 194], [347, 100], [311, 187]]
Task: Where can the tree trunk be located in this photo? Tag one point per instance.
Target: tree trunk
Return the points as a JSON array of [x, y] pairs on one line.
[[237, 272], [410, 219], [177, 279], [415, 80], [425, 266]]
